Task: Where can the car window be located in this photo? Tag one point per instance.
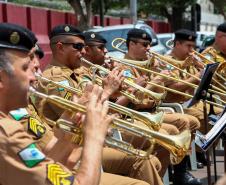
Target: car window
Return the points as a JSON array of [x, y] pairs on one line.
[[110, 35]]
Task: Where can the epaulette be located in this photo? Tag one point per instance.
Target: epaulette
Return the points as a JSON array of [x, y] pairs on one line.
[[52, 71], [9, 126]]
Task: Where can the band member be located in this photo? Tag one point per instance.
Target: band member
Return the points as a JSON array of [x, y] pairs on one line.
[[61, 38], [138, 43], [217, 52], [96, 53], [21, 160]]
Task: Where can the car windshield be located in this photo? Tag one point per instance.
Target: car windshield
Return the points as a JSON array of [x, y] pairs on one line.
[[110, 35]]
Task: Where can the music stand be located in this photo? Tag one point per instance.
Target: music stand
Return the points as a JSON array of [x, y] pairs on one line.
[[201, 94]]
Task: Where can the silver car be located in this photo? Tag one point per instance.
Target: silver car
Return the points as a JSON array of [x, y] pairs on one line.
[[120, 31]]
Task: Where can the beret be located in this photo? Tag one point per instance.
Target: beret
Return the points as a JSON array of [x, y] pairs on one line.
[[16, 37], [184, 34], [94, 37], [65, 29], [138, 34], [222, 27]]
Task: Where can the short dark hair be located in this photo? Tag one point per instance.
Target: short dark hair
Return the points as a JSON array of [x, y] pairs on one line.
[[5, 62]]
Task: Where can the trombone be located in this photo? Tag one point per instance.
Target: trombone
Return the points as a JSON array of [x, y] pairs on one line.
[[169, 61], [152, 121], [166, 60], [176, 145], [169, 77], [144, 92]]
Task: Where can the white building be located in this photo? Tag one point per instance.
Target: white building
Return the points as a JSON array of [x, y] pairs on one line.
[[209, 20]]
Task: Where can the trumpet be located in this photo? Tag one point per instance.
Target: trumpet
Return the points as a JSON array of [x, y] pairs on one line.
[[144, 92], [169, 61], [176, 145], [152, 121], [219, 72], [172, 78]]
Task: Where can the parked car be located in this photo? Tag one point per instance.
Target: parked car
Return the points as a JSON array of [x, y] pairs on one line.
[[165, 38], [120, 31], [201, 35]]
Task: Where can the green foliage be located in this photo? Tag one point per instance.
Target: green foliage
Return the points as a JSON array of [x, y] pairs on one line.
[[110, 4], [163, 7], [53, 4]]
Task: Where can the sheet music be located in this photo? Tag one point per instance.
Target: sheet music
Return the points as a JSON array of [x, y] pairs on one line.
[[216, 128]]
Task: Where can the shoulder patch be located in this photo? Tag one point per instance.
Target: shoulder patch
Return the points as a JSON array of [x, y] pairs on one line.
[[127, 73], [36, 127], [31, 155], [18, 114], [68, 96], [65, 83], [58, 176]]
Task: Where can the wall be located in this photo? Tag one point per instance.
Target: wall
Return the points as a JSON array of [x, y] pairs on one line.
[[42, 20]]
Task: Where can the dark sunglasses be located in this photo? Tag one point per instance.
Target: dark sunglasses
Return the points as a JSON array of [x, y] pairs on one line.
[[145, 44], [99, 46], [79, 46]]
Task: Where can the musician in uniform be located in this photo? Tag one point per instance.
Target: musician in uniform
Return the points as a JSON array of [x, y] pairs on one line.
[[96, 53], [22, 162], [138, 43], [60, 36], [217, 53]]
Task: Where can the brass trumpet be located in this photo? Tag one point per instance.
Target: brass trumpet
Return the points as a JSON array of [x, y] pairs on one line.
[[172, 78], [143, 91], [152, 121], [169, 61], [176, 145]]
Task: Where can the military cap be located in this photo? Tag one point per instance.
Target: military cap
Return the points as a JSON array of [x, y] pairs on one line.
[[222, 27], [16, 37], [65, 29], [94, 37], [184, 34], [39, 51], [138, 34]]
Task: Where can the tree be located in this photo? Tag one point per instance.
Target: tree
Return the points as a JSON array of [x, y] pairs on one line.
[[173, 10], [82, 8], [220, 7]]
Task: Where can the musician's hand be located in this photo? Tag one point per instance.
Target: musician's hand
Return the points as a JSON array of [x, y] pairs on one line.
[[112, 83], [142, 81], [97, 120], [148, 104]]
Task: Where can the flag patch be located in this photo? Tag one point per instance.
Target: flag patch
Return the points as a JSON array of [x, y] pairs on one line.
[[65, 83], [35, 127], [18, 114], [58, 176], [127, 73], [31, 155]]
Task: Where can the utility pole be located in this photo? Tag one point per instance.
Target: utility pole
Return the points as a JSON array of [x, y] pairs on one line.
[[101, 12], [133, 10]]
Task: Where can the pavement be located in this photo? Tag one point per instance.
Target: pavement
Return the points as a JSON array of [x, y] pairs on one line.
[[202, 173]]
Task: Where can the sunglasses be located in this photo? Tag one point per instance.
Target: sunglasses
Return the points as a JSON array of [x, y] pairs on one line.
[[79, 46], [99, 46], [145, 44]]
